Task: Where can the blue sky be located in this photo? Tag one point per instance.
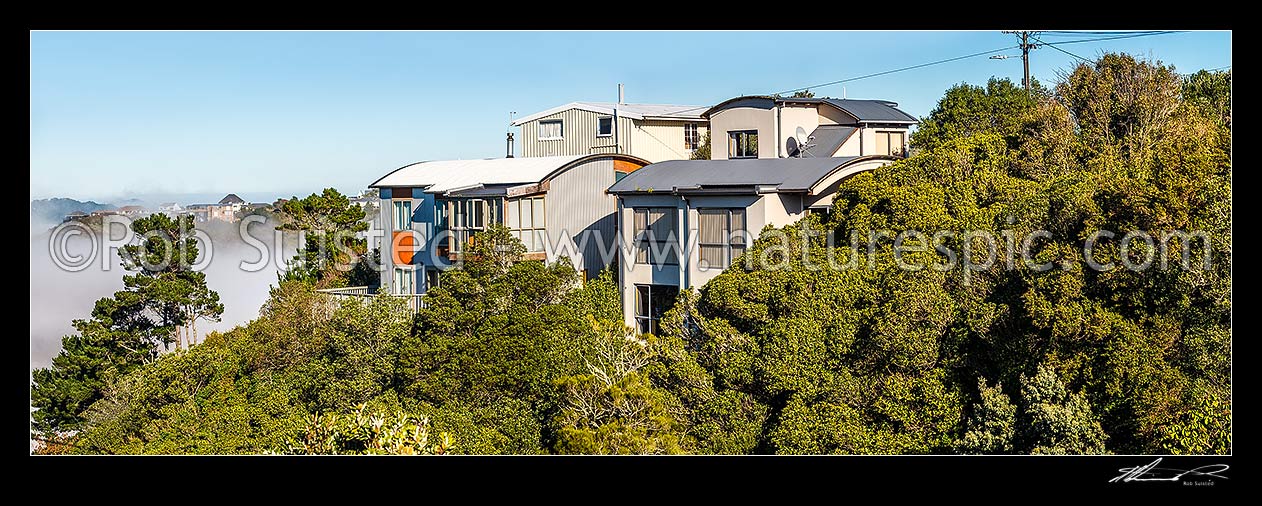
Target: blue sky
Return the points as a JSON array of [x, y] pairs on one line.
[[115, 114]]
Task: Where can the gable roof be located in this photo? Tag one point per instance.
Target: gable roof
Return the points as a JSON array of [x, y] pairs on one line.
[[633, 111], [757, 174], [443, 176], [232, 198], [866, 111]]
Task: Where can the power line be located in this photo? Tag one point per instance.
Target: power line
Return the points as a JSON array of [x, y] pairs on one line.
[[1065, 33], [1053, 46], [922, 65], [1122, 35], [1131, 36]]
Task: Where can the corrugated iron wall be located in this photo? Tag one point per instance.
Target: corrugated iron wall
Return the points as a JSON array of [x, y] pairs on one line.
[[577, 203], [579, 136]]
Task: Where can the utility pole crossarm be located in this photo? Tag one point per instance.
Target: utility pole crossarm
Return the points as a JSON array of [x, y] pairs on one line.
[[1026, 46]]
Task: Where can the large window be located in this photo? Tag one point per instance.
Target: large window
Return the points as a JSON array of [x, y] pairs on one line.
[[889, 143], [526, 219], [651, 301], [551, 129], [692, 139], [467, 217], [604, 126], [404, 281], [742, 144], [655, 236], [721, 236], [402, 215]]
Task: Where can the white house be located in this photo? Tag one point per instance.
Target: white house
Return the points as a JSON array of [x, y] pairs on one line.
[[780, 127], [684, 221]]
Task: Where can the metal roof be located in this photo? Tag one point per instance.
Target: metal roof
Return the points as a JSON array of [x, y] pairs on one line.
[[446, 175], [633, 111], [876, 111], [764, 174], [827, 138], [464, 176], [486, 190], [866, 111]]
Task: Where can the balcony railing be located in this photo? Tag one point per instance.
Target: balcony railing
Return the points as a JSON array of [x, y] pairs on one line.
[[414, 301]]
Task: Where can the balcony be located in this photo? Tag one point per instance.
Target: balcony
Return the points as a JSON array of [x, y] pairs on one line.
[[414, 301]]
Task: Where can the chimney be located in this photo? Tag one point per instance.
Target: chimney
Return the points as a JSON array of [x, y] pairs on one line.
[[510, 146], [620, 95]]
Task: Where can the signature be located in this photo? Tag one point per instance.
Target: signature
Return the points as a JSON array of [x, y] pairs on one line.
[[1151, 472]]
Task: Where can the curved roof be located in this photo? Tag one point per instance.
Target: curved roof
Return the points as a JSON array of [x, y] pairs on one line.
[[633, 111], [760, 174], [443, 176], [866, 111]]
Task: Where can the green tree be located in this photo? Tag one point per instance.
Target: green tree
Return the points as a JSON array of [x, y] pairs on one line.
[[175, 294], [876, 358], [703, 150], [367, 432], [329, 221], [991, 425], [1000, 107], [124, 331], [1210, 91], [1057, 421], [612, 407]]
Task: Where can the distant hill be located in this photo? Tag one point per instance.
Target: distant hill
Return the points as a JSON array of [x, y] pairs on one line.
[[54, 210]]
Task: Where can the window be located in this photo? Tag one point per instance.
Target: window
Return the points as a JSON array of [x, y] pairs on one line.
[[526, 219], [655, 237], [721, 236], [604, 126], [889, 143], [404, 280], [402, 215], [651, 301], [550, 129], [692, 139], [431, 279], [742, 144], [467, 217]]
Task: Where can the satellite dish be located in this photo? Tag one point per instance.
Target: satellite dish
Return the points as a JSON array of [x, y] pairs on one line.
[[800, 134], [791, 147]]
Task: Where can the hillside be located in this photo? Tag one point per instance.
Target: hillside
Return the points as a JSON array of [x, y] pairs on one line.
[[55, 209]]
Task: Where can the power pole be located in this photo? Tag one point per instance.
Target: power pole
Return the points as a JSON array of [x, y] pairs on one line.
[[1026, 46]]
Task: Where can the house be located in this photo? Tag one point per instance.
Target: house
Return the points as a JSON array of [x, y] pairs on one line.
[[131, 210], [221, 212], [683, 222], [200, 212], [556, 205], [170, 208], [75, 216], [653, 132], [806, 127], [228, 209]]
